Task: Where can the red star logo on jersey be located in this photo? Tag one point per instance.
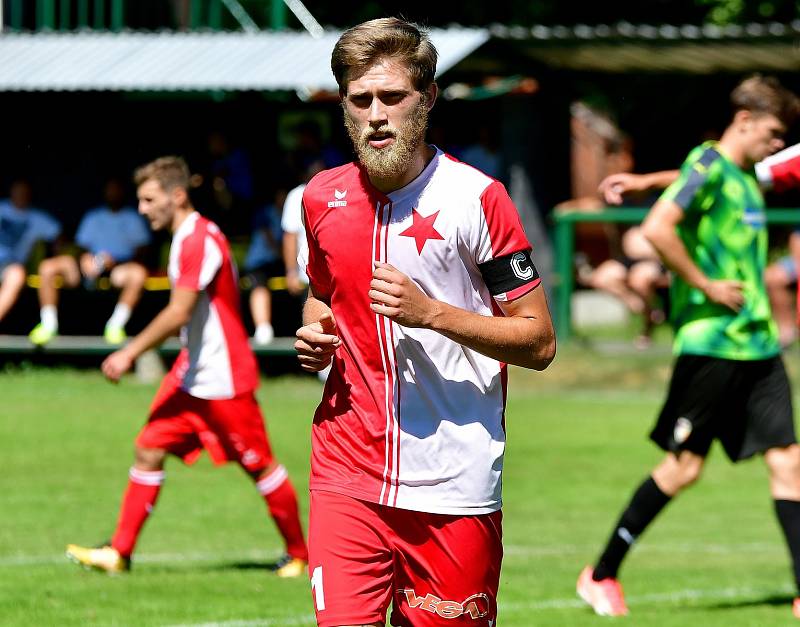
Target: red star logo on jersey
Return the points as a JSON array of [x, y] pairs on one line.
[[422, 229]]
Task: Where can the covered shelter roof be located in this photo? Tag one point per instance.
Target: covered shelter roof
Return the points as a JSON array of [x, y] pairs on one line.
[[195, 61]]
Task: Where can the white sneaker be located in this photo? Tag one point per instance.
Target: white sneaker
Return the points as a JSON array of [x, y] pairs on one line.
[[264, 334]]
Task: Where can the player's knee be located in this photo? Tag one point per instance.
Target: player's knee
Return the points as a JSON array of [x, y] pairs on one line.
[[150, 458], [14, 275], [775, 277], [784, 463], [48, 268]]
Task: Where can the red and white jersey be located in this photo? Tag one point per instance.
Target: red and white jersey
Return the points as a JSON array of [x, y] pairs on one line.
[[409, 418], [216, 360], [780, 171]]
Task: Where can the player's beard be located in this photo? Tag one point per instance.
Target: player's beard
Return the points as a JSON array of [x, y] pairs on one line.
[[391, 161]]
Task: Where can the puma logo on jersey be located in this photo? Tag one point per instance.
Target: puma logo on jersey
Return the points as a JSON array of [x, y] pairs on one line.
[[340, 199], [476, 606]]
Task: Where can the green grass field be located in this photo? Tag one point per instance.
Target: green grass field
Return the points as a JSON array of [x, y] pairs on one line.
[[577, 446]]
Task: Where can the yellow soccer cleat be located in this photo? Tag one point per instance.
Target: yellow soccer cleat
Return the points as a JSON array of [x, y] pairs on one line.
[[105, 558], [115, 335], [289, 566], [41, 335]]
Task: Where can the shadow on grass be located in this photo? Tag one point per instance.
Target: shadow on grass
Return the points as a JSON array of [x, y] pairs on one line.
[[772, 600]]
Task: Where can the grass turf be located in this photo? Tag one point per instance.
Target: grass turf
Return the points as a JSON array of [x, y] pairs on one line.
[[577, 448]]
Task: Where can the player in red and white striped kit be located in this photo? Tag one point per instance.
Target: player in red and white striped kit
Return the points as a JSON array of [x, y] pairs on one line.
[[422, 289], [207, 400]]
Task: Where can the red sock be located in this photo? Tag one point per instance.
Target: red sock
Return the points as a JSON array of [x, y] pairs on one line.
[[282, 503], [138, 502]]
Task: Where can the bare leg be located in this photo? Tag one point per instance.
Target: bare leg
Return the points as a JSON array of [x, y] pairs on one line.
[[782, 301], [11, 284]]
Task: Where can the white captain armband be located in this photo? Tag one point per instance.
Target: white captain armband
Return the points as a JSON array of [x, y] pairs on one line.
[[510, 276]]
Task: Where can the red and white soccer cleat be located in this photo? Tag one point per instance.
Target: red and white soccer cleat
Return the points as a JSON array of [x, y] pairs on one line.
[[604, 596], [796, 607]]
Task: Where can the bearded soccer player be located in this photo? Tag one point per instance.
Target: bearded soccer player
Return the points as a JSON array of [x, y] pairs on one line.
[[728, 382], [207, 400], [422, 289]]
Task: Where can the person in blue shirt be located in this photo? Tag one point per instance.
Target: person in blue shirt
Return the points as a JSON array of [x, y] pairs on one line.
[[112, 238], [21, 227], [263, 262]]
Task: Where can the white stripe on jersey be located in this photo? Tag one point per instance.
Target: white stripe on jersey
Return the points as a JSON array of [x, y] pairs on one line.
[[380, 234]]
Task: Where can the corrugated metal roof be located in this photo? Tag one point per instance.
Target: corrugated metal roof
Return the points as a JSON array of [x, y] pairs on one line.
[[628, 47], [188, 61]]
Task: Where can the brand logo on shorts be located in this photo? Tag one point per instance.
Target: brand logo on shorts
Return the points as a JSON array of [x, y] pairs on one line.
[[520, 267], [682, 431], [476, 606], [340, 199]]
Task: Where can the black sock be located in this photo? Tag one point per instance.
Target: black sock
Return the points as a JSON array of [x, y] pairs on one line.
[[647, 502], [788, 513]]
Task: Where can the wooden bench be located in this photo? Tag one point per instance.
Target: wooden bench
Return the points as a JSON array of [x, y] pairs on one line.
[[96, 345]]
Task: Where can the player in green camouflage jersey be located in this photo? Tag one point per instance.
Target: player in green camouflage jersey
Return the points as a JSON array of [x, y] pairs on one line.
[[724, 227], [728, 382]]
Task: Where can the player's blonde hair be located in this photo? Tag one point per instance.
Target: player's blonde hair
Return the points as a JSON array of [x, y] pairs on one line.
[[385, 38], [765, 95], [170, 172]]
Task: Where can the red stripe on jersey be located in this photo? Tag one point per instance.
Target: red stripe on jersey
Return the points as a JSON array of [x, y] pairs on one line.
[[786, 175], [502, 220], [522, 290]]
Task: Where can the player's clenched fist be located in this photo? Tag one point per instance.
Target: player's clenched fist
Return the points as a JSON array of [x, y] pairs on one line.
[[396, 296], [316, 343], [116, 364]]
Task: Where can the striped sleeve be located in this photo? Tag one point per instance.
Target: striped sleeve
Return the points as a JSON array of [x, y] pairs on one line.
[[781, 171], [694, 178], [200, 260], [504, 253]]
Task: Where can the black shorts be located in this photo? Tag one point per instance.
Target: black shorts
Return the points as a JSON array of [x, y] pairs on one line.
[[260, 275], [747, 405]]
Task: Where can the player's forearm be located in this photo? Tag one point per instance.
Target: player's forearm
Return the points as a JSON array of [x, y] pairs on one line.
[[673, 253], [166, 324], [660, 180], [290, 252], [523, 341]]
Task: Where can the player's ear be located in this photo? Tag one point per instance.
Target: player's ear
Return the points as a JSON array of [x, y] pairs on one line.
[[430, 95], [180, 196], [742, 120]]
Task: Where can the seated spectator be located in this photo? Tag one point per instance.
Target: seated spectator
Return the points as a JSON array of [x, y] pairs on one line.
[[635, 278], [21, 227], [295, 245], [483, 154], [112, 238], [781, 279], [262, 263]]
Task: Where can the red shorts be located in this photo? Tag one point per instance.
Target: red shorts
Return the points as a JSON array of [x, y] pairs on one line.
[[436, 569], [229, 429]]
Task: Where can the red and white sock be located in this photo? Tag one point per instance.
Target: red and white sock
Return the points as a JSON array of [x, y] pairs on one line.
[[282, 503], [138, 502]]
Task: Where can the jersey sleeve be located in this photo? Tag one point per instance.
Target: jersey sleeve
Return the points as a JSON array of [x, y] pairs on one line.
[[48, 228], [780, 171], [85, 236], [690, 189], [503, 253], [140, 232], [199, 261], [319, 276], [291, 218]]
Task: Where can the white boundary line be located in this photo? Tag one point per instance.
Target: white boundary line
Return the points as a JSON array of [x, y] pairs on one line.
[[511, 551], [676, 596]]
